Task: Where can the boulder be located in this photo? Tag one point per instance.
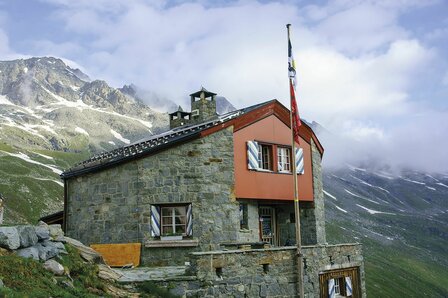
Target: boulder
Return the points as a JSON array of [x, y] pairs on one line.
[[56, 233], [86, 252], [42, 231], [61, 248], [47, 250], [106, 273], [27, 235], [28, 252], [9, 238], [54, 267]]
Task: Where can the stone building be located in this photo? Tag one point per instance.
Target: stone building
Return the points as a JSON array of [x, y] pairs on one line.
[[215, 192]]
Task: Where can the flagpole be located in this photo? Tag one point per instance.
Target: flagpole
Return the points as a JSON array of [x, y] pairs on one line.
[[296, 196]]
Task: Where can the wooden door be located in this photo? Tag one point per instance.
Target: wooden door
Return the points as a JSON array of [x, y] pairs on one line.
[[268, 225]]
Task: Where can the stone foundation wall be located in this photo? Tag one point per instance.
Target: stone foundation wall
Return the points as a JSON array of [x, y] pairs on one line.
[[263, 272], [331, 257]]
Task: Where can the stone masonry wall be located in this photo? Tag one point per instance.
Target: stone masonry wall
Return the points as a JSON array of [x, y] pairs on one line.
[[113, 206], [251, 234], [313, 219], [263, 272], [331, 257]]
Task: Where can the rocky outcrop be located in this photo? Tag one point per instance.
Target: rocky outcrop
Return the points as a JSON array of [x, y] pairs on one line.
[[41, 242], [9, 238]]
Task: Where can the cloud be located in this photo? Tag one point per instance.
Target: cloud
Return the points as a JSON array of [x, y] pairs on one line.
[[357, 65]]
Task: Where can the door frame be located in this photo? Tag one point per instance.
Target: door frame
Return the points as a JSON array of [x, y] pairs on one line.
[[274, 228]]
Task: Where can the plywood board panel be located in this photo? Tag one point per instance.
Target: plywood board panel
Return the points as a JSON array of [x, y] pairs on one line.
[[119, 254]]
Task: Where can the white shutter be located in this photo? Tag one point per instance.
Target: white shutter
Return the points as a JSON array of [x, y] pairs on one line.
[[331, 290], [252, 155], [300, 166], [189, 231], [155, 221], [348, 286]]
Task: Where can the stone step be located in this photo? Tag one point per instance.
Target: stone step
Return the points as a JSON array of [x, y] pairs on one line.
[[153, 273]]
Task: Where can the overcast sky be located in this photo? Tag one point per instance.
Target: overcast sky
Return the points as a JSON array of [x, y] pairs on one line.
[[371, 71]]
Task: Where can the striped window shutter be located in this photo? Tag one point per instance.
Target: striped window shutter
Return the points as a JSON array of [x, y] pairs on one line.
[[155, 221], [348, 286], [331, 290], [252, 155], [189, 221], [300, 167]]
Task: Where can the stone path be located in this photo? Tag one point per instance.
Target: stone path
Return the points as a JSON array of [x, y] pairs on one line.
[[152, 273]]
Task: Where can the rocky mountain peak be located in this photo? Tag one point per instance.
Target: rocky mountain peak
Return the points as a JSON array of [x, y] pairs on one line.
[[46, 100]]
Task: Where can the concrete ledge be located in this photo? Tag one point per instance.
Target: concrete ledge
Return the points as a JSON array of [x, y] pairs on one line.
[[285, 248], [172, 243]]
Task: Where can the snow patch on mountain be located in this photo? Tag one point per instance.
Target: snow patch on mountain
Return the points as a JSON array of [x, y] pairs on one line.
[[118, 136], [52, 180], [43, 155], [413, 181], [441, 184], [371, 211], [339, 208], [25, 127], [26, 158], [81, 131], [383, 175], [353, 168], [358, 196], [368, 184], [5, 101], [330, 195]]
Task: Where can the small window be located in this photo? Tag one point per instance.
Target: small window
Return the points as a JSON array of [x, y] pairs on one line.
[[169, 220], [174, 220], [337, 289], [284, 159], [265, 157], [244, 223]]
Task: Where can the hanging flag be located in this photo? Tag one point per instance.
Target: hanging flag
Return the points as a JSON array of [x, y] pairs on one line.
[[292, 85]]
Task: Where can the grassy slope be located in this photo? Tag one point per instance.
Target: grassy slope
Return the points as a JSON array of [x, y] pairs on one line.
[[392, 271], [27, 278], [31, 190]]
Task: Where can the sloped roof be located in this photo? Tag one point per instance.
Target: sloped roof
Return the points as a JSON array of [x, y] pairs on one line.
[[176, 136]]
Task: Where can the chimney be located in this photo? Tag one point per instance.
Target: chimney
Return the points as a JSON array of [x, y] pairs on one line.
[[179, 118], [203, 108], [203, 105]]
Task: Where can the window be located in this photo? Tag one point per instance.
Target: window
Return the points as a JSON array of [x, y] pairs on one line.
[[174, 220], [265, 157], [336, 286], [168, 220], [244, 224], [284, 159]]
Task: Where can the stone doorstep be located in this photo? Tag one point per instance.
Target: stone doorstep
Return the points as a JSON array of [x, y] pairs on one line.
[[168, 273]]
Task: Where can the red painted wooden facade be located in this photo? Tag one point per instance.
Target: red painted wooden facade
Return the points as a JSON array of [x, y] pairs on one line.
[[269, 124]]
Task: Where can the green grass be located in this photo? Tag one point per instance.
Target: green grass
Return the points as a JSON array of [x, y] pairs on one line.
[[32, 190], [395, 270], [27, 278]]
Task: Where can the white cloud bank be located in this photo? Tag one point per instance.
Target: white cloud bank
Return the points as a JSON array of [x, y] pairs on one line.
[[357, 65]]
